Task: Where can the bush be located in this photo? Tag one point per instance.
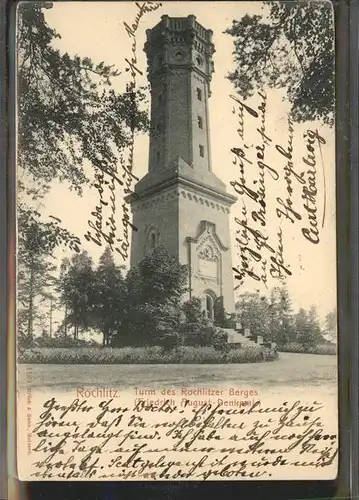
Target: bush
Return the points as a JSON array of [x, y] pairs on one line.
[[142, 355], [196, 330], [147, 324], [203, 334], [198, 334], [192, 310], [220, 340], [330, 349], [46, 341], [169, 341], [24, 342]]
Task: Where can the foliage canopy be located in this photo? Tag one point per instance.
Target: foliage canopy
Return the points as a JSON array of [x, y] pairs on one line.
[[291, 48], [68, 112]]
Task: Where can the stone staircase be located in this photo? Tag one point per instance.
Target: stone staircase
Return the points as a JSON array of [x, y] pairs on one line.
[[239, 337]]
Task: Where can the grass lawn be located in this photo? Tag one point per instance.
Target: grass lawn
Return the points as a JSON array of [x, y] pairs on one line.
[[290, 370]]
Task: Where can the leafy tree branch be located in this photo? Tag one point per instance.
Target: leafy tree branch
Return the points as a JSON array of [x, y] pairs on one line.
[[291, 47]]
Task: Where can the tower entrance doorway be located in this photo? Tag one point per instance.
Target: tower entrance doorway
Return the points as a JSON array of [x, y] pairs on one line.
[[208, 305], [209, 308]]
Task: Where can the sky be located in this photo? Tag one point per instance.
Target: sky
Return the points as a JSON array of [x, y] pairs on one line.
[[96, 30]]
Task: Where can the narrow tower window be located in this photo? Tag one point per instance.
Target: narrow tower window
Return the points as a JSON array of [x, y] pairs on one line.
[[199, 94], [201, 151], [158, 128], [200, 122], [153, 241]]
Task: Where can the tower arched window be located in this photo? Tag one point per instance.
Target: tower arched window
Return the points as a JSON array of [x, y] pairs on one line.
[[153, 241]]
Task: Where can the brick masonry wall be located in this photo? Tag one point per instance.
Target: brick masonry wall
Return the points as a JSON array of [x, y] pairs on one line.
[[178, 126], [159, 213]]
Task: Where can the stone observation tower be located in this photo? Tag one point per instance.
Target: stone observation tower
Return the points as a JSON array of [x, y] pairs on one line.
[[180, 203]]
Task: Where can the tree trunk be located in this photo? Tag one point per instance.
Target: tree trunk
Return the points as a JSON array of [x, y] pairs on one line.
[[31, 307], [65, 321], [105, 337], [50, 318]]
